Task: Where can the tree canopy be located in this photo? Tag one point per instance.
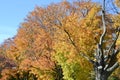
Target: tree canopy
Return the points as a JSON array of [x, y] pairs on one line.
[[58, 42]]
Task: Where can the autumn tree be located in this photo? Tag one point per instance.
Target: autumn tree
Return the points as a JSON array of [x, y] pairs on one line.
[[65, 26], [31, 50], [79, 30], [106, 57], [58, 42]]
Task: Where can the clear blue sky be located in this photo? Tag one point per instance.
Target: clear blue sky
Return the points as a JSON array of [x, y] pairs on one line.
[[13, 12]]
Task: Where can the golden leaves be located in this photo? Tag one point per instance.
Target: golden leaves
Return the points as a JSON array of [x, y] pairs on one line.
[[54, 32], [117, 2]]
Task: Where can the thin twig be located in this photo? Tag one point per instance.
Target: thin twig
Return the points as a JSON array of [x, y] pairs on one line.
[[113, 44], [82, 54]]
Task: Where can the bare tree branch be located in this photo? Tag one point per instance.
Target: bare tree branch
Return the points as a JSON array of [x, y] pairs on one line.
[[99, 54], [111, 69], [104, 25], [113, 43]]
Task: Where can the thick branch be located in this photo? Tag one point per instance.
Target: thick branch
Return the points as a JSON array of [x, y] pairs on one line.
[[115, 66], [100, 55], [112, 59], [104, 25]]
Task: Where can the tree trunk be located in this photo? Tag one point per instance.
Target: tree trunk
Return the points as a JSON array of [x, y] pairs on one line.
[[101, 75]]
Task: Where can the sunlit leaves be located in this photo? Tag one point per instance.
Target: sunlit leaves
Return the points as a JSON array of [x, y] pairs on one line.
[[117, 3], [55, 36]]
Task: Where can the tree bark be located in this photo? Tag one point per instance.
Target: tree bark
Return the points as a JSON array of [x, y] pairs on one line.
[[101, 76]]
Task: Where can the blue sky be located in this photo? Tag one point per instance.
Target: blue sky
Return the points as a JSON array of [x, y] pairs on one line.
[[13, 12]]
